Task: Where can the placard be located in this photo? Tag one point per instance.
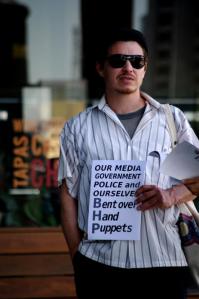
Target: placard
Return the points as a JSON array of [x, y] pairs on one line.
[[112, 210]]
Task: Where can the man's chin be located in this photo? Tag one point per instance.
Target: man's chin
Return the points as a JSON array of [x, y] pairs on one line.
[[127, 90]]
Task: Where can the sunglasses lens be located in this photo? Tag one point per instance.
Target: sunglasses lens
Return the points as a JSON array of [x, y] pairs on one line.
[[119, 60], [137, 61], [116, 61]]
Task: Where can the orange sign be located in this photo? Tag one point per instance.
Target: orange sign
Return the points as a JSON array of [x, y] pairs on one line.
[[31, 166]]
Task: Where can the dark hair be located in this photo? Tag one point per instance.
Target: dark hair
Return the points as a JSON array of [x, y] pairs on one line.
[[122, 34]]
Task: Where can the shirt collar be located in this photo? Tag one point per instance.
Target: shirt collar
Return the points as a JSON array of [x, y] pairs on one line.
[[102, 103], [148, 98]]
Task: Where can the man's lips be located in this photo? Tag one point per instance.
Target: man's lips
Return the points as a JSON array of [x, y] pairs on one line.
[[126, 78]]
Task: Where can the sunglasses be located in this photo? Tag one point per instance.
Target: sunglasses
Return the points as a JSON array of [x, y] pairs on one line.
[[119, 60]]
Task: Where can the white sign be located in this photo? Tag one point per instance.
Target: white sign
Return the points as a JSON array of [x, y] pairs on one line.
[[112, 211], [182, 162]]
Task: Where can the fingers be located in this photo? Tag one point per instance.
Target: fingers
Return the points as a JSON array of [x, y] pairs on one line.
[[147, 197], [147, 204], [145, 189]]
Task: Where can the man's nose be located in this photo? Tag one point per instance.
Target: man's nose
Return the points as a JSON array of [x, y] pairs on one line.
[[128, 65]]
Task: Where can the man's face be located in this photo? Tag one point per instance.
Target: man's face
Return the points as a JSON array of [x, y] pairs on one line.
[[124, 79]]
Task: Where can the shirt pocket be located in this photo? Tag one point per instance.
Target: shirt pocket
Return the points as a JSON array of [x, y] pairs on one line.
[[159, 155], [154, 159]]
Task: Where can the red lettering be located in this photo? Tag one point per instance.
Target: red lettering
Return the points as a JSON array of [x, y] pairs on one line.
[[51, 173], [36, 168]]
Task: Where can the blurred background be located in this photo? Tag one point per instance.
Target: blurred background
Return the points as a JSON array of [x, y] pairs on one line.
[[47, 75]]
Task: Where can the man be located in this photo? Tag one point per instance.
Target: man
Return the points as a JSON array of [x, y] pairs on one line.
[[127, 124]]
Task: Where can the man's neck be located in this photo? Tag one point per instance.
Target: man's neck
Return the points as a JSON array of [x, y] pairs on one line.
[[125, 103]]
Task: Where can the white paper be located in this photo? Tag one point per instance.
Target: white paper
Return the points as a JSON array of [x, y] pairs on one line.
[[112, 211], [182, 162]]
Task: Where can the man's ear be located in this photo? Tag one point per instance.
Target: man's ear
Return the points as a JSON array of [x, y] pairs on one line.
[[145, 67], [99, 69]]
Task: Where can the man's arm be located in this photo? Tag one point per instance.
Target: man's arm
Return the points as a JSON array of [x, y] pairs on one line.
[[193, 185], [69, 221]]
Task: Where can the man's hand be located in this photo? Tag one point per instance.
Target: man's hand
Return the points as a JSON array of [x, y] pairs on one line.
[[151, 196], [69, 222]]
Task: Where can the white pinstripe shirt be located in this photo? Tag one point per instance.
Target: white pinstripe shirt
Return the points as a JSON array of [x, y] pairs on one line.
[[97, 134]]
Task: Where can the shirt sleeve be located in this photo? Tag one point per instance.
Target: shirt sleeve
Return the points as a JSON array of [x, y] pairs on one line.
[[68, 160], [184, 129]]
